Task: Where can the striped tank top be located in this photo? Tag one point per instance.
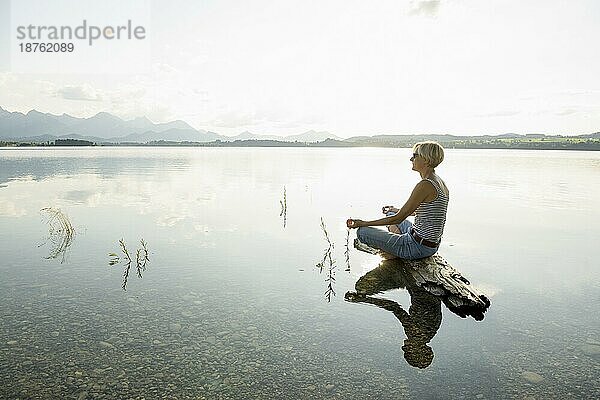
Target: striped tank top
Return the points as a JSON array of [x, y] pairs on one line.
[[430, 217]]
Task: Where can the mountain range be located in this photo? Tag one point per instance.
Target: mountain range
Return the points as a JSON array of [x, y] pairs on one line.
[[107, 128]]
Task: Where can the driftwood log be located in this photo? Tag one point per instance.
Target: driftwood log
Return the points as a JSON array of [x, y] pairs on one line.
[[435, 275]]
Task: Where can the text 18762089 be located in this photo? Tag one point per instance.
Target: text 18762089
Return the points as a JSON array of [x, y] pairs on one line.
[[49, 47]]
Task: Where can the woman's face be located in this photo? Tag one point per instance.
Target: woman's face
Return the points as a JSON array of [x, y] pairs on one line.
[[418, 162]]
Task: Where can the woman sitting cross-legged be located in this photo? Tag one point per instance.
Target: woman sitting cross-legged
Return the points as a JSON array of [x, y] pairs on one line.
[[428, 202]]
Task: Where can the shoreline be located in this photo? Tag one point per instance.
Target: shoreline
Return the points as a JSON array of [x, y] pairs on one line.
[[591, 145]]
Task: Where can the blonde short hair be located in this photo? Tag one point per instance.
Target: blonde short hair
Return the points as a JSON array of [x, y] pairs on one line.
[[431, 151]]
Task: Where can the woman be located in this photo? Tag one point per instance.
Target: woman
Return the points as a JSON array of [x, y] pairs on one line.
[[428, 202]]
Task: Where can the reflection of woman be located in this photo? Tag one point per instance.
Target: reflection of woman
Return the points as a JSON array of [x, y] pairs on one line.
[[424, 315], [428, 202]]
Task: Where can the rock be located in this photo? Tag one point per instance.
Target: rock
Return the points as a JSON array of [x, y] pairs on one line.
[[82, 395], [532, 377], [175, 327], [106, 345], [211, 340], [329, 387], [592, 350]]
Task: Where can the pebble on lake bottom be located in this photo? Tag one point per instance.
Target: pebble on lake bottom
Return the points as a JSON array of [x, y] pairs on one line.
[[592, 350], [532, 377]]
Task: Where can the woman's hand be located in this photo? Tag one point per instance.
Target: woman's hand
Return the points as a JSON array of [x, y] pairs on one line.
[[355, 223], [387, 209]]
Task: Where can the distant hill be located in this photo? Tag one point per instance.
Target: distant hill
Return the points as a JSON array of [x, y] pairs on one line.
[[173, 135], [308, 137], [251, 136], [311, 136], [98, 128], [108, 128]]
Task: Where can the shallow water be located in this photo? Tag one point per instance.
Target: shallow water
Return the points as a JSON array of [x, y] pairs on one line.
[[231, 304]]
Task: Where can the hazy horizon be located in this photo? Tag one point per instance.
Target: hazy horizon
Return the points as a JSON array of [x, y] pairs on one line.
[[460, 67]]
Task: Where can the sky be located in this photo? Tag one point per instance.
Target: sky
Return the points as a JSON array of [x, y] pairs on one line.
[[463, 67]]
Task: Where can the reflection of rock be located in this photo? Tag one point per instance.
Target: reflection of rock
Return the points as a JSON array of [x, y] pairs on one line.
[[532, 377], [424, 316], [437, 277]]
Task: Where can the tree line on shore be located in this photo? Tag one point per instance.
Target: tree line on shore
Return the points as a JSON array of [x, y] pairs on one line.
[[533, 142]]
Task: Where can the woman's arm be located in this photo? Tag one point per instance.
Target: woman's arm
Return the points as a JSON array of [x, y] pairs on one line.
[[387, 209], [418, 195]]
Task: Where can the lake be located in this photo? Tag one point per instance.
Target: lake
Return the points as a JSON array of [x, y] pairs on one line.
[[231, 303]]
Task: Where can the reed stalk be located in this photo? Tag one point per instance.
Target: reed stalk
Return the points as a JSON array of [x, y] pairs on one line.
[[347, 249], [141, 260], [283, 204], [60, 233], [328, 262]]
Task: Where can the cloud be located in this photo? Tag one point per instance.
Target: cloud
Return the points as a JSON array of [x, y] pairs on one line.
[[428, 8], [127, 94], [169, 220], [6, 78], [305, 122], [164, 69], [502, 113], [11, 209], [578, 93], [83, 92], [566, 112], [233, 119], [45, 87]]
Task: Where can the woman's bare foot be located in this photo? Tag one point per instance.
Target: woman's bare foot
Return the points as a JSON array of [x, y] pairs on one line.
[[393, 229], [388, 209]]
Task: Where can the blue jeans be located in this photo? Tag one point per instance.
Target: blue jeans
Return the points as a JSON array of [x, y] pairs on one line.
[[402, 245]]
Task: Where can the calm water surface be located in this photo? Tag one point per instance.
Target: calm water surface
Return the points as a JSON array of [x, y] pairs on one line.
[[231, 304]]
